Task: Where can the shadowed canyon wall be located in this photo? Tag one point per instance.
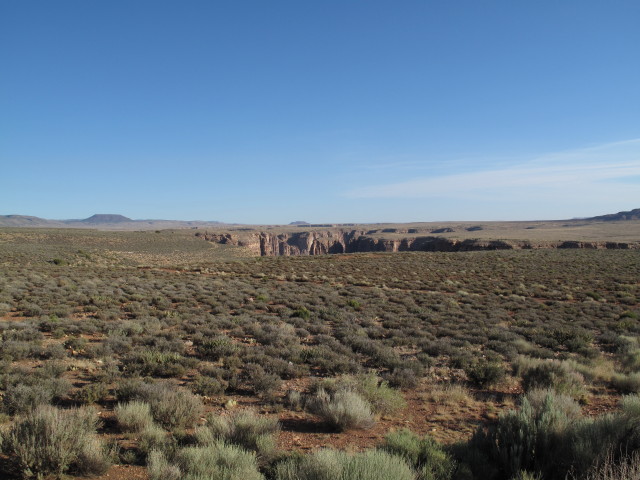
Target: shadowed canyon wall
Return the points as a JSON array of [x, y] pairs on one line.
[[354, 241]]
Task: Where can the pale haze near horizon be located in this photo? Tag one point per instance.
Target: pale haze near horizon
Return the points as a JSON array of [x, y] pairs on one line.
[[269, 112]]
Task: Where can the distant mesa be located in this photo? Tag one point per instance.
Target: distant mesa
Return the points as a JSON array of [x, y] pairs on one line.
[[100, 218], [443, 230], [630, 215], [300, 222], [102, 221], [474, 228]]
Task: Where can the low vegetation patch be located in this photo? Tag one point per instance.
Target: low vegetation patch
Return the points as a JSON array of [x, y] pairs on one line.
[[159, 330], [51, 441]]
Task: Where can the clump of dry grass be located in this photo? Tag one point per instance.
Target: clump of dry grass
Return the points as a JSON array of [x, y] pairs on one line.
[[615, 469], [448, 394]]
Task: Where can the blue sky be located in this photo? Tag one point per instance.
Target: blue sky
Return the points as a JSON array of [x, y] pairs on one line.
[[332, 111]]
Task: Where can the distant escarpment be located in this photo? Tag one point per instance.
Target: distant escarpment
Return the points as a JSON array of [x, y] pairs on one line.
[[629, 215], [325, 242]]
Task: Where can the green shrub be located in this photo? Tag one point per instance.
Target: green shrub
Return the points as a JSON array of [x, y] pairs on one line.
[[301, 312], [76, 343], [159, 467], [530, 438], [264, 384], [92, 393], [541, 400], [23, 398], [51, 441], [95, 457], [343, 409], [630, 407], [355, 304], [207, 386], [245, 429], [485, 373], [554, 375], [150, 362], [323, 464], [5, 308], [54, 350], [329, 464], [212, 462], [129, 389], [294, 400], [402, 378], [382, 398], [626, 468], [133, 416], [171, 407], [626, 383], [524, 475], [548, 436], [425, 454], [216, 348], [153, 437], [378, 465]]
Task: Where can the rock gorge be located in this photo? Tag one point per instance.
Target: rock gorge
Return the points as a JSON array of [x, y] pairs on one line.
[[323, 242]]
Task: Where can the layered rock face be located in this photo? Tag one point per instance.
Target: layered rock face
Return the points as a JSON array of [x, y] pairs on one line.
[[354, 241]]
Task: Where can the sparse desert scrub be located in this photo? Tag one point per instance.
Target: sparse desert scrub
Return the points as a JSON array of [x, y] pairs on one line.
[[153, 437], [629, 383], [448, 394], [50, 441], [207, 386], [246, 429], [485, 372], [426, 456], [170, 406], [613, 468], [133, 416], [408, 318], [549, 436], [558, 376], [263, 383], [21, 398], [216, 348], [329, 464], [381, 398], [343, 409], [219, 461]]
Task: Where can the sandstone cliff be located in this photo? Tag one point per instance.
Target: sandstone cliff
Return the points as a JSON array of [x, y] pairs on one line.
[[324, 242]]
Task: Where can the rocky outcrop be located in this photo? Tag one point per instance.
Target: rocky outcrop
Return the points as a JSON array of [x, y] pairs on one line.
[[325, 242]]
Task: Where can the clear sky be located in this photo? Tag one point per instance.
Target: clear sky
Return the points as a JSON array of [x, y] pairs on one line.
[[323, 111]]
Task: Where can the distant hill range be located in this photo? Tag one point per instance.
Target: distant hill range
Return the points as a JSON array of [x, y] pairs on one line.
[[630, 215], [102, 222]]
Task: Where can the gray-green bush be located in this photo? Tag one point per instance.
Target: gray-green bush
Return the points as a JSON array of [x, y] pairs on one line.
[[344, 409], [245, 429], [133, 416], [327, 464], [50, 441], [427, 456], [548, 436], [212, 462], [554, 375], [170, 406]]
